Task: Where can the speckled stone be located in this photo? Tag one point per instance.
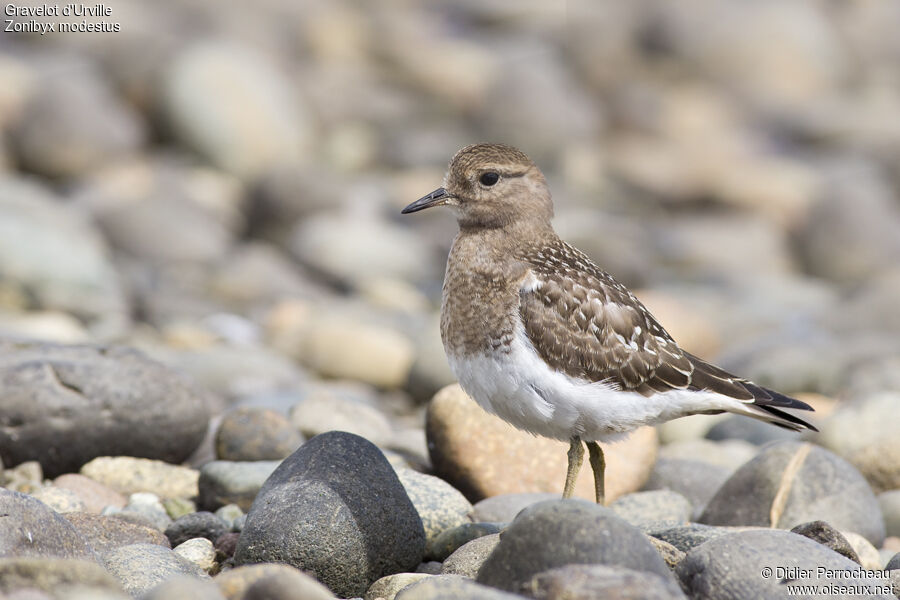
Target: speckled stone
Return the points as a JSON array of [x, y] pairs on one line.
[[37, 530]]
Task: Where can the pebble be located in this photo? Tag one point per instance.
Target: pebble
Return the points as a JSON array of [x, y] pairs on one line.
[[789, 483], [449, 540], [890, 508], [199, 524], [143, 508], [200, 552], [108, 532], [503, 508], [347, 515], [482, 456], [440, 505], [736, 427], [586, 582], [229, 514], [825, 534], [55, 395], [141, 567], [468, 558], [324, 412], [727, 453], [61, 500], [237, 583], [93, 495], [129, 475], [698, 481], [73, 124], [248, 433], [730, 565], [448, 587], [388, 586], [226, 482], [37, 530], [646, 509], [868, 555], [877, 453], [256, 122], [685, 537], [184, 586], [56, 576], [557, 533]]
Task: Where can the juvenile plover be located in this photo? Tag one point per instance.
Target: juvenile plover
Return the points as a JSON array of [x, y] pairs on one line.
[[542, 337]]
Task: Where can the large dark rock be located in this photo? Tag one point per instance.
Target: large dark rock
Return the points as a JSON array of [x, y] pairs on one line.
[[28, 527], [750, 565], [335, 508], [65, 405], [789, 483], [557, 533]]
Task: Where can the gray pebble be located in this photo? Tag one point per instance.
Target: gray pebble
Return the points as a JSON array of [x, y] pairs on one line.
[[588, 582], [439, 504], [199, 524], [141, 567], [335, 507], [468, 558], [226, 482], [557, 533], [452, 587], [447, 542], [249, 433], [37, 530], [504, 507]]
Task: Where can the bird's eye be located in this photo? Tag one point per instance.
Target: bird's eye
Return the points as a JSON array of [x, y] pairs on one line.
[[489, 178]]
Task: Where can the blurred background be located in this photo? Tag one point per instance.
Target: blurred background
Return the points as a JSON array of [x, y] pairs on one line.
[[219, 183]]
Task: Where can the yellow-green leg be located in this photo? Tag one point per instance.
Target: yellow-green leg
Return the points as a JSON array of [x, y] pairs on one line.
[[576, 457], [598, 464]]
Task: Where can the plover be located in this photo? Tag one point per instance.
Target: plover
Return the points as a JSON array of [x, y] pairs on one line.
[[545, 339]]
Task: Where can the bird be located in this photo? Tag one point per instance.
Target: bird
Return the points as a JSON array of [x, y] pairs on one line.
[[540, 336]]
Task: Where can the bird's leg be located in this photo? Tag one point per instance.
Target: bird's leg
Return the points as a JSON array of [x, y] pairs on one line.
[[576, 457], [598, 464]]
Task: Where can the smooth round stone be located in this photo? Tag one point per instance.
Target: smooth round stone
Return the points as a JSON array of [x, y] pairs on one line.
[[178, 507], [696, 480], [388, 586], [482, 456], [55, 396], [320, 413], [440, 505], [731, 566], [37, 530], [198, 551], [143, 509], [335, 507], [54, 575], [107, 532], [94, 495], [247, 434], [141, 567], [129, 475], [450, 587], [255, 123], [643, 509], [226, 482], [557, 533], [237, 583], [60, 500], [504, 507], [828, 536], [449, 540], [229, 514], [890, 508], [587, 582], [789, 483], [685, 537], [868, 555], [877, 453], [728, 454], [199, 524], [338, 346], [468, 558], [183, 586]]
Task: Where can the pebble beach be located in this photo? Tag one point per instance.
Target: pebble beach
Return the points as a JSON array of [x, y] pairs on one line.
[[221, 373]]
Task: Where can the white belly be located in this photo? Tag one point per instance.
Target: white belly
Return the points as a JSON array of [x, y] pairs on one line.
[[523, 390]]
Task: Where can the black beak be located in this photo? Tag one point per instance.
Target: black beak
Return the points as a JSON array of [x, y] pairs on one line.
[[435, 198]]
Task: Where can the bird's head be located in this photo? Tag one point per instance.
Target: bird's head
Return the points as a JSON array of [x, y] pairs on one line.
[[489, 186]]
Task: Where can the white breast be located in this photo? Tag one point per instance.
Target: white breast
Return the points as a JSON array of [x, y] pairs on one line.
[[523, 390]]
